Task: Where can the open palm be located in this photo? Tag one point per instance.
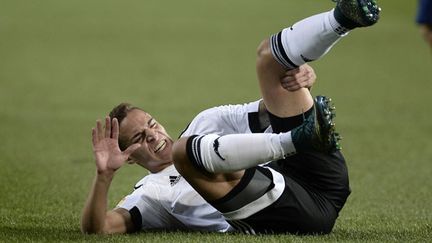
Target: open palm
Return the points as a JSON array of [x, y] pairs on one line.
[[106, 149]]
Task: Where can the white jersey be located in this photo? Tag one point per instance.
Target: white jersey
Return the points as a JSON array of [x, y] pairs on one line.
[[165, 201]]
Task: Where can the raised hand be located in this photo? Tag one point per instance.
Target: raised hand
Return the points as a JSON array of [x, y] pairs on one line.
[[106, 149], [301, 77]]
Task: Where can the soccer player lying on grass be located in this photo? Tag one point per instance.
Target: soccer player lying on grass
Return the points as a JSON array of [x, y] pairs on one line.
[[163, 199], [224, 153]]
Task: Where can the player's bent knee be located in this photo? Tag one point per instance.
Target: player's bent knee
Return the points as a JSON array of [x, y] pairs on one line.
[[263, 50], [266, 62]]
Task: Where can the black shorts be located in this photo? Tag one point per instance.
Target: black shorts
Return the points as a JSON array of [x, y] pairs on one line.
[[316, 189]]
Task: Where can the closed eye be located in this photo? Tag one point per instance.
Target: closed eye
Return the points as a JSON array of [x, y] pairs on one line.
[[138, 137], [152, 123]]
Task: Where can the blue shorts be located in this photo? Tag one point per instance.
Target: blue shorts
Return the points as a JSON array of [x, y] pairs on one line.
[[424, 12]]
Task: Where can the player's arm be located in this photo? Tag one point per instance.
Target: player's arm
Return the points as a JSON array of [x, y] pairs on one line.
[[95, 217], [108, 156]]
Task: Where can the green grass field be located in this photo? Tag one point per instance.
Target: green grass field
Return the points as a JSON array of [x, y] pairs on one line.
[[63, 64]]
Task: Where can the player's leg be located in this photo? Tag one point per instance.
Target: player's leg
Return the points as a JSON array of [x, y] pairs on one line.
[[305, 41], [214, 165], [210, 186]]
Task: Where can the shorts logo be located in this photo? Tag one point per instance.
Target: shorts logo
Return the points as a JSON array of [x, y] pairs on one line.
[[216, 148]]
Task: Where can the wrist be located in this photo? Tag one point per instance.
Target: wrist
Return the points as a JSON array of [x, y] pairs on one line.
[[106, 175]]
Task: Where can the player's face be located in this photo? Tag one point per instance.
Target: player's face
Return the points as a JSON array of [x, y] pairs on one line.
[[156, 145]]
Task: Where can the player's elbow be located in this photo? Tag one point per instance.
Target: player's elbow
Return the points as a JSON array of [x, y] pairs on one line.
[[95, 231], [265, 60], [92, 230], [88, 227], [117, 221]]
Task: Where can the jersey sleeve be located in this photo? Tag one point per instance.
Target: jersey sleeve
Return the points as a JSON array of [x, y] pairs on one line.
[[144, 208]]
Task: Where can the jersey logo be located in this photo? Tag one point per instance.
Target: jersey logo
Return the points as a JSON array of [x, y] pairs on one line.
[[174, 179], [216, 148]]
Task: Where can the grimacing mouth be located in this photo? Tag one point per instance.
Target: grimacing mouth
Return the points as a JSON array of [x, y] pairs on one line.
[[160, 146]]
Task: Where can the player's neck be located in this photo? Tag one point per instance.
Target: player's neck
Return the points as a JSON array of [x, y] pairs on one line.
[[155, 167]]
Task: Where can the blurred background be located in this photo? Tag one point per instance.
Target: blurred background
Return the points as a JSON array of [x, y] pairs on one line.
[[64, 64]]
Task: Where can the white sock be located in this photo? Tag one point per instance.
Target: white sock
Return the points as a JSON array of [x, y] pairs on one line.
[[235, 152], [307, 40]]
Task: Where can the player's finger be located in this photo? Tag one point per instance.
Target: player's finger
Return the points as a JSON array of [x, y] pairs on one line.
[[301, 76], [287, 79], [99, 130], [94, 136], [293, 77], [313, 76], [107, 127], [115, 129], [309, 80], [310, 72], [307, 67], [293, 71], [296, 80], [293, 87], [131, 149]]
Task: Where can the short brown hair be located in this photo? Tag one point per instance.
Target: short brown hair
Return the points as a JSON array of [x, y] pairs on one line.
[[120, 112]]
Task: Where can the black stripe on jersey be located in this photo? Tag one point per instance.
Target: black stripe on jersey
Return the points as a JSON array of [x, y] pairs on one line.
[[136, 219], [254, 124], [255, 182]]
